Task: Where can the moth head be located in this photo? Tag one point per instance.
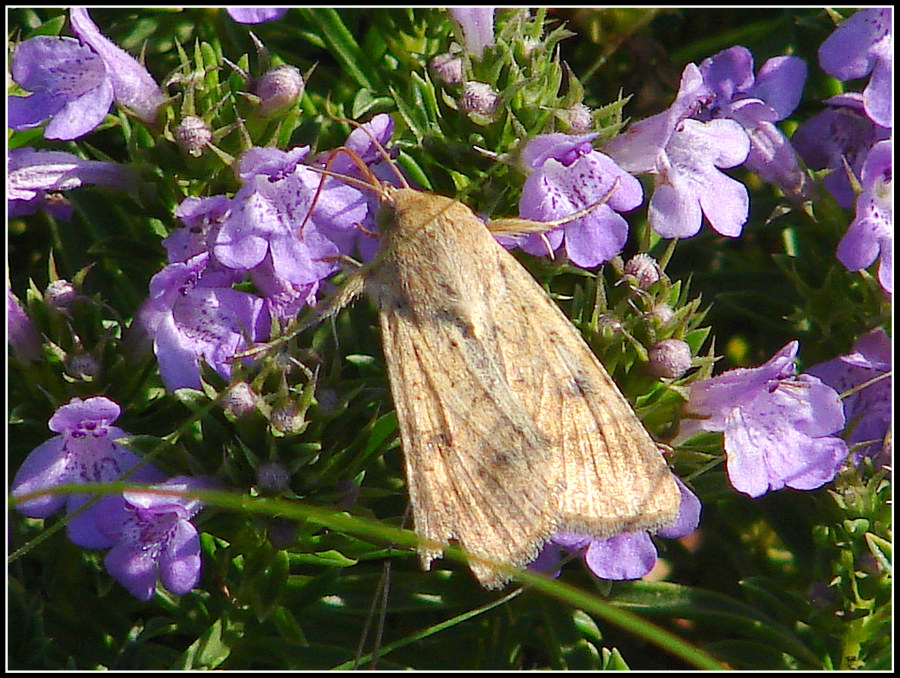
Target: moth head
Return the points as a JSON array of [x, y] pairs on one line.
[[367, 180]]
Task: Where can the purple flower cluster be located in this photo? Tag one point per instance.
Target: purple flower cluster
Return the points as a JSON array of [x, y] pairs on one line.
[[285, 229], [852, 138], [723, 116], [71, 84], [287, 226], [686, 156], [146, 532]]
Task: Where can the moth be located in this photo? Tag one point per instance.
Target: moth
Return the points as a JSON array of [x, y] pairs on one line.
[[511, 428]]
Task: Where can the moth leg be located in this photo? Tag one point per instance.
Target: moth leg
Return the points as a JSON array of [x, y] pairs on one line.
[[350, 290]]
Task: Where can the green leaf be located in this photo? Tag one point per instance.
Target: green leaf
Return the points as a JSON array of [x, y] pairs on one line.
[[208, 651], [676, 601], [344, 46]]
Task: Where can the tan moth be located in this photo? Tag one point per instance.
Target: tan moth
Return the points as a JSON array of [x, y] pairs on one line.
[[511, 428]]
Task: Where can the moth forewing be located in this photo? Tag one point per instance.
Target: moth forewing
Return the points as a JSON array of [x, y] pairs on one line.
[[511, 428], [615, 478], [479, 468]]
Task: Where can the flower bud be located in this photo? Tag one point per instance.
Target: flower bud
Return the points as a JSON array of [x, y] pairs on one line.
[[609, 325], [288, 419], [240, 400], [670, 358], [447, 68], [663, 313], [278, 88], [272, 477], [60, 295], [82, 366], [193, 134], [643, 269], [579, 119], [478, 97]]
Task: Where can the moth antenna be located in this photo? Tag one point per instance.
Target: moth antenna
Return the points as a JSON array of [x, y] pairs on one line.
[[519, 226], [343, 177], [590, 208], [374, 184], [359, 162], [379, 147]]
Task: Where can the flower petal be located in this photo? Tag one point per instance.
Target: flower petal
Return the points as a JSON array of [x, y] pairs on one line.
[[179, 564], [133, 569], [133, 85], [626, 556], [46, 466]]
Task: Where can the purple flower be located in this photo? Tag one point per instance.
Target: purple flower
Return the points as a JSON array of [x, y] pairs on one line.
[[567, 175], [477, 25], [151, 533], [778, 427], [685, 155], [841, 133], [21, 333], [624, 556], [68, 83], [133, 87], [864, 44], [31, 174], [361, 142], [202, 218], [757, 103], [871, 233], [85, 451], [269, 217], [283, 299], [256, 15], [867, 410], [193, 313]]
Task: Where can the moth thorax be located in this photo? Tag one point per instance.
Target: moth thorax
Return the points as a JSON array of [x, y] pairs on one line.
[[415, 211]]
